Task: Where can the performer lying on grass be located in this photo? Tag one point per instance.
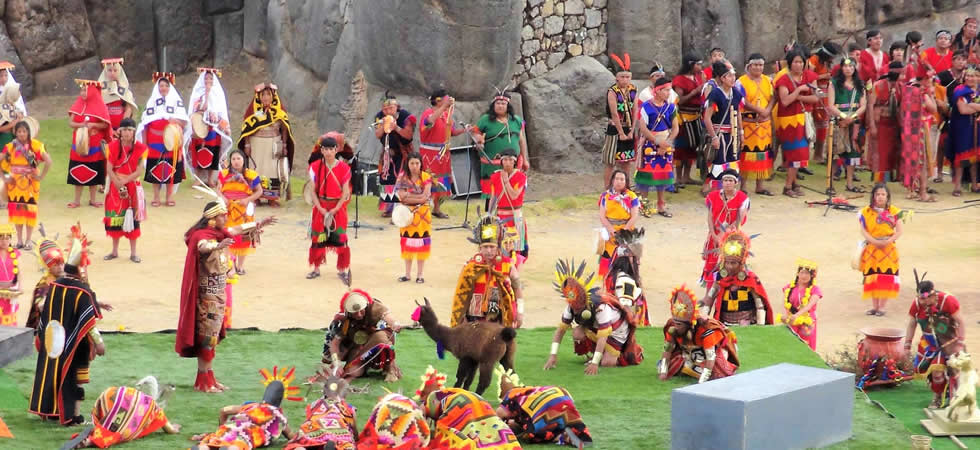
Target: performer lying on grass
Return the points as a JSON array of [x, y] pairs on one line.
[[125, 414], [540, 414]]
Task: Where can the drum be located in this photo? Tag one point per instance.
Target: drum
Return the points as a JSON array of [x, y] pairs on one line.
[[54, 339], [599, 238], [81, 141], [173, 137], [308, 195], [198, 125], [402, 216]]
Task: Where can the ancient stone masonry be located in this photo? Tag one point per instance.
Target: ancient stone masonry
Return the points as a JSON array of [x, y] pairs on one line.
[[556, 30]]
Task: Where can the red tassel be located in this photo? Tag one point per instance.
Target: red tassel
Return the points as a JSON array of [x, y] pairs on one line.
[[618, 61], [628, 64]]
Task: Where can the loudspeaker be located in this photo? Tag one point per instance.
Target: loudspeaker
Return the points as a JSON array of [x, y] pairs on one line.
[[364, 178], [466, 171]]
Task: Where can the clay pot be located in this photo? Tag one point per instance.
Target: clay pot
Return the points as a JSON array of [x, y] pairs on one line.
[[878, 342]]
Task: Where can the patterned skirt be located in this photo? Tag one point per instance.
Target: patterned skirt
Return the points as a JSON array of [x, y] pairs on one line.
[[416, 238]]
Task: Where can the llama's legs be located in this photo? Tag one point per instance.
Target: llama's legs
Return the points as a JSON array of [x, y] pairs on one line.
[[508, 360], [486, 369], [463, 371]]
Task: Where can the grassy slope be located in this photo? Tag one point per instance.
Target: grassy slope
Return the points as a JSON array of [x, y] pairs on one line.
[[624, 407]]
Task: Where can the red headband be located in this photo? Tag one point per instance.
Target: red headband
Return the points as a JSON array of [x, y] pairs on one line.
[[970, 20], [662, 86]]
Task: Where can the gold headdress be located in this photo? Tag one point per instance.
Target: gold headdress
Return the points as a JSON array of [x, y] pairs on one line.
[[574, 286], [6, 229], [432, 377], [110, 61], [810, 266], [734, 247], [286, 376], [683, 304], [218, 209], [83, 83]]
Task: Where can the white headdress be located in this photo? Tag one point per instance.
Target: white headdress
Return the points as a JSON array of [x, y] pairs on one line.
[[19, 104], [118, 89], [160, 108], [215, 103]]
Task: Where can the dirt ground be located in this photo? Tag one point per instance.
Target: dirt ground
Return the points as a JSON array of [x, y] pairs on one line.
[[274, 293]]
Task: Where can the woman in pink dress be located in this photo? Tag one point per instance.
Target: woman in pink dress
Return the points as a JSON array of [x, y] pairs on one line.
[[800, 300]]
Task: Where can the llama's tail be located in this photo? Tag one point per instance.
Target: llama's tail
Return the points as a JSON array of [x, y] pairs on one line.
[[508, 334]]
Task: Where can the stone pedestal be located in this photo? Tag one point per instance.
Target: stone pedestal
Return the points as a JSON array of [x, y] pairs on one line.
[[15, 343], [785, 406], [938, 425]]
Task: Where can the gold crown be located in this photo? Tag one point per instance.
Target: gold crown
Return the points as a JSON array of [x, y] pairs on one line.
[[806, 264]]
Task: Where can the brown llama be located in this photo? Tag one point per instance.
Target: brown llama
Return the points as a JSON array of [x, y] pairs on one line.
[[474, 344]]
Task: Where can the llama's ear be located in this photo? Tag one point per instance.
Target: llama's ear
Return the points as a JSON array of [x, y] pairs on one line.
[[417, 302], [427, 302]]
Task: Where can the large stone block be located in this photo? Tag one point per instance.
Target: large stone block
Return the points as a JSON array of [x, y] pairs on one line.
[[185, 31], [648, 30], [255, 19], [15, 343], [131, 39], [416, 46], [712, 23], [816, 21], [784, 406], [772, 24], [566, 116], [49, 32], [61, 80], [338, 98], [228, 32], [314, 32], [9, 53]]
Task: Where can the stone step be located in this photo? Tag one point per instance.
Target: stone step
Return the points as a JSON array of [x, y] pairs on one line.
[[15, 343]]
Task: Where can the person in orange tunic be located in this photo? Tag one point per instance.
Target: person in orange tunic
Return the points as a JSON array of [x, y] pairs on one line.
[[328, 228], [241, 187], [19, 163], [700, 347], [125, 207], [86, 166]]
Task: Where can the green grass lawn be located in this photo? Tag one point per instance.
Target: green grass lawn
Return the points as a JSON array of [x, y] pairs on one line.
[[623, 407]]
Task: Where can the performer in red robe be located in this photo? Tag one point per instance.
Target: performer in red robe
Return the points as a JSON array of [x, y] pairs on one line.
[[125, 207], [728, 209], [86, 166], [331, 180], [203, 288]]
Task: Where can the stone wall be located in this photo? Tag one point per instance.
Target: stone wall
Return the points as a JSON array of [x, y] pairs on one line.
[[556, 30]]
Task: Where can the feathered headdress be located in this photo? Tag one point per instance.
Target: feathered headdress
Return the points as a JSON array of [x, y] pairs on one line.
[[431, 378], [577, 289], [286, 376], [683, 305], [355, 300], [501, 94], [508, 380], [78, 251], [489, 229], [631, 240], [389, 99], [623, 63], [47, 251]]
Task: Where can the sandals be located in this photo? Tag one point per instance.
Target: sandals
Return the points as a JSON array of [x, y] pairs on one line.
[[663, 212], [312, 275], [95, 204], [240, 271], [440, 215], [791, 193], [403, 279], [420, 280], [931, 191], [856, 190], [937, 180], [765, 192], [871, 312], [171, 203], [109, 257], [28, 246], [72, 205], [927, 199], [345, 277], [154, 203], [880, 313], [135, 259], [957, 193]]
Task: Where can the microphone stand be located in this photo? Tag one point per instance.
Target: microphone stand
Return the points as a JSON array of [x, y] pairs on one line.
[[469, 184], [356, 224]]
